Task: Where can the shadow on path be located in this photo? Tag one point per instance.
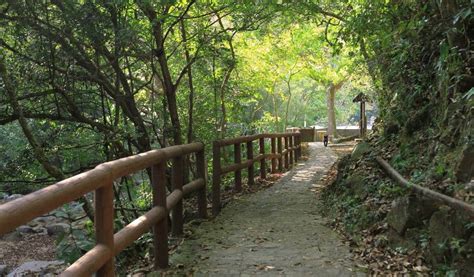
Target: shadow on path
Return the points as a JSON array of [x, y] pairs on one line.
[[274, 232]]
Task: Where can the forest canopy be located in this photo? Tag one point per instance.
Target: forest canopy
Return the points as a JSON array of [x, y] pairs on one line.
[[94, 81]]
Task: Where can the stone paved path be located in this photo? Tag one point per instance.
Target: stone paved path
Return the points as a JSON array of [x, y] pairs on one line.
[[274, 232]]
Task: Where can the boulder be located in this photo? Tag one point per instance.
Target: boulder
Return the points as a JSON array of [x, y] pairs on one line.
[[466, 265], [449, 223], [13, 197], [409, 212], [37, 268], [11, 237], [57, 228], [446, 224], [80, 224], [439, 230], [25, 229], [361, 149], [465, 168], [407, 242], [40, 230], [45, 220], [357, 184], [33, 223], [3, 270]]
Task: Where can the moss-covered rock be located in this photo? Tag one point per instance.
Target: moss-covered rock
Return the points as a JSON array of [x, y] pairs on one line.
[[446, 226], [465, 262], [357, 185], [465, 167], [407, 242], [409, 212], [361, 149]]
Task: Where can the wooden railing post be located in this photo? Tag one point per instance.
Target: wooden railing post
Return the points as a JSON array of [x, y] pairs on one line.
[[104, 224], [286, 153], [177, 178], [298, 144], [273, 149], [216, 178], [263, 170], [99, 261], [238, 173], [292, 152], [160, 230], [202, 173], [280, 151], [295, 151], [250, 168]]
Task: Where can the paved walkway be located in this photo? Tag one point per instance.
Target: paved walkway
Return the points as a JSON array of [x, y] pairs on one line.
[[274, 232]]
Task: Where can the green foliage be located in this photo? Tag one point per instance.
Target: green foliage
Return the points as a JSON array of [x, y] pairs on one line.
[[97, 81], [390, 190], [469, 94], [302, 68], [356, 215], [424, 240], [77, 241]]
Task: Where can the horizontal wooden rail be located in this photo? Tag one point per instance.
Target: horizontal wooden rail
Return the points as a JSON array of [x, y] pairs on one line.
[[91, 262], [173, 199], [194, 186], [243, 139], [100, 259], [452, 202], [138, 227], [235, 167], [285, 150]]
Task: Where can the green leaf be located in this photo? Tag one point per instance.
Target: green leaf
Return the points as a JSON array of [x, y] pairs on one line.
[[469, 94]]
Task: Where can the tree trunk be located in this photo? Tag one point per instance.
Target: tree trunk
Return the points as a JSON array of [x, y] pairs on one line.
[[287, 105], [190, 135], [275, 109], [222, 98], [330, 100], [168, 86], [226, 77]]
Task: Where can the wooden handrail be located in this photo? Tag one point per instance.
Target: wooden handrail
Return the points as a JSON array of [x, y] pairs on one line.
[[243, 139], [452, 202], [100, 259], [285, 150]]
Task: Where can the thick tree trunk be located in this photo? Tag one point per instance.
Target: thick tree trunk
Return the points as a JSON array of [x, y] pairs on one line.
[[168, 86], [330, 97], [170, 92], [330, 101]]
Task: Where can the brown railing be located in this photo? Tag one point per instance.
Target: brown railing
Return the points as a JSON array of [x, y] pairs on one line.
[[285, 149], [100, 259]]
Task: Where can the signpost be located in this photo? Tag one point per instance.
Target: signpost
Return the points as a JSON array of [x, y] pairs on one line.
[[362, 98]]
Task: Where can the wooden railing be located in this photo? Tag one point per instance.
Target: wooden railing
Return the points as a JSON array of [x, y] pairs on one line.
[[100, 259], [285, 150]]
